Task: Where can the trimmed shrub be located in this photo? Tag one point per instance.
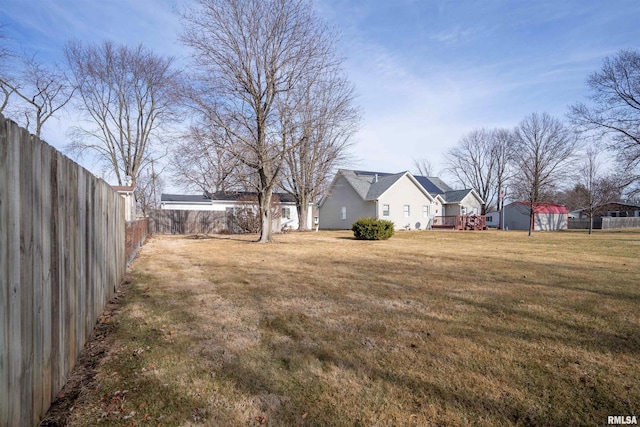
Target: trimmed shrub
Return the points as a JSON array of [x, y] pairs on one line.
[[372, 229]]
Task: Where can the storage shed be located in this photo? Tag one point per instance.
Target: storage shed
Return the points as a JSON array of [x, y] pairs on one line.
[[547, 216]]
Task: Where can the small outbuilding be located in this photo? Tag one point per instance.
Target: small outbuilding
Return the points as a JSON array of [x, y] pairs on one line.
[[547, 216], [128, 194]]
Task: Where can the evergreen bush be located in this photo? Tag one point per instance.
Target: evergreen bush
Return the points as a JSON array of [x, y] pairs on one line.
[[372, 229]]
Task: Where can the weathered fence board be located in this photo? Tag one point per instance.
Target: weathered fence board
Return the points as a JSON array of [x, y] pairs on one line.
[[135, 235], [62, 253], [583, 223], [605, 223], [620, 222], [188, 222], [4, 279]]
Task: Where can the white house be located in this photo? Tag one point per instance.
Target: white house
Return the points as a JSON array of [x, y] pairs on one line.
[[395, 197], [233, 201], [411, 202]]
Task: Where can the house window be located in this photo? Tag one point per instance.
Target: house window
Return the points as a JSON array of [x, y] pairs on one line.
[[407, 211], [286, 213], [489, 218], [426, 209], [385, 210], [343, 213]]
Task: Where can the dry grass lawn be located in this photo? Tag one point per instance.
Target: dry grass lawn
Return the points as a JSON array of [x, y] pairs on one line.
[[427, 328]]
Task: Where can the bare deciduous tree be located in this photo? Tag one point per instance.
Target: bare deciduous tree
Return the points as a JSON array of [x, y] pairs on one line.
[[543, 148], [4, 97], [481, 161], [41, 92], [599, 190], [148, 189], [614, 112], [37, 92], [198, 163], [322, 129], [423, 167], [128, 96], [4, 55], [503, 156], [254, 57]]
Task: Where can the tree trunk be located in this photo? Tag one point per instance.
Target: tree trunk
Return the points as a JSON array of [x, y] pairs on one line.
[[302, 206], [532, 217], [264, 204]]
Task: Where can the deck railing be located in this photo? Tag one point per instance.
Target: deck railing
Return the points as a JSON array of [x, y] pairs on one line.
[[461, 222]]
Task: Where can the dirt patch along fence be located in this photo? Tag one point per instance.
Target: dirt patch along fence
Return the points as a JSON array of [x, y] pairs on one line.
[[62, 254]]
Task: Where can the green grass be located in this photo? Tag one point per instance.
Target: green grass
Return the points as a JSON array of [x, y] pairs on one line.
[[427, 328]]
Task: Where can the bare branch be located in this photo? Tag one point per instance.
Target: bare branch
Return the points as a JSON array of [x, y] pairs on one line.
[[613, 115], [256, 62], [481, 161], [544, 150], [423, 167], [129, 96]]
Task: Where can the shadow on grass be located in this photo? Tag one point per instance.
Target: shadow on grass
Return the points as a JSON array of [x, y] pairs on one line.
[[562, 332], [230, 237], [315, 398], [276, 372]]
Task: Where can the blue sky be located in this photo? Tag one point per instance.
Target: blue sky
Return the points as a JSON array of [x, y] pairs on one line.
[[426, 72]]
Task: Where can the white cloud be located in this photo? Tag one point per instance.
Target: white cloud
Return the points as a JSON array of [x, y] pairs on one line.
[[454, 35]]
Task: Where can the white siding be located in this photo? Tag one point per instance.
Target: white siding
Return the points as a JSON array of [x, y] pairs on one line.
[[405, 192], [223, 205], [343, 196]]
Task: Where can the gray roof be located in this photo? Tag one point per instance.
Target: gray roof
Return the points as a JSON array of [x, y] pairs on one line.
[[245, 195], [436, 186], [370, 185], [433, 185], [184, 198], [455, 196], [220, 196]]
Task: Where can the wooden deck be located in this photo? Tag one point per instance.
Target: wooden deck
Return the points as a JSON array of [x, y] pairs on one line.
[[461, 222]]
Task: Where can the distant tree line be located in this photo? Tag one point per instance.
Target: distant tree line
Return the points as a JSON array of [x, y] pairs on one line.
[[543, 159], [264, 105]]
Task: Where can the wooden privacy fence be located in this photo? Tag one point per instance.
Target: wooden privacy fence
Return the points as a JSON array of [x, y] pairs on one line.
[[605, 223], [61, 255], [136, 233], [583, 223], [620, 222], [189, 222]]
